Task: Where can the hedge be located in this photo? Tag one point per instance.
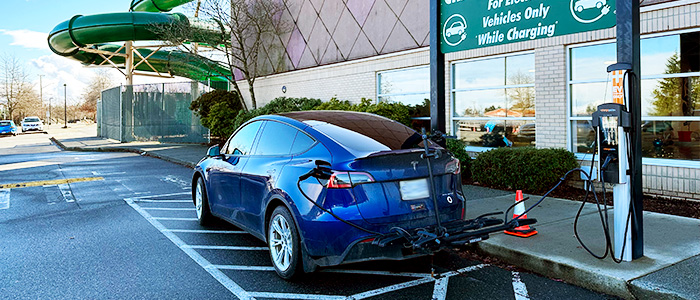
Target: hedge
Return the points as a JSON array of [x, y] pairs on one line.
[[456, 147], [529, 169]]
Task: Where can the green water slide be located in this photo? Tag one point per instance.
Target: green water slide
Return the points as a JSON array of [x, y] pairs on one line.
[[71, 37]]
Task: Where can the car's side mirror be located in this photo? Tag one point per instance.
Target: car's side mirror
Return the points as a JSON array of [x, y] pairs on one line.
[[214, 151]]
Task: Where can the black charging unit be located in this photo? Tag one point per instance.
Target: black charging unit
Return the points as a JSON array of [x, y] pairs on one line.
[[607, 120]]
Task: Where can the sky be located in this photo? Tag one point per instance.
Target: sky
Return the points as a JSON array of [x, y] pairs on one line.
[[24, 27]]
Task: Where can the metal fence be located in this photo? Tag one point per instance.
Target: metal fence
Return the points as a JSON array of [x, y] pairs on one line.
[[151, 112]]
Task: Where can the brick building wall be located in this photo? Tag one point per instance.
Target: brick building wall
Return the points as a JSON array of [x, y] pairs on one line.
[[356, 79]]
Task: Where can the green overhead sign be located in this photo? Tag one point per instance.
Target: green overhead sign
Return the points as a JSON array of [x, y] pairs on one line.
[[470, 24]]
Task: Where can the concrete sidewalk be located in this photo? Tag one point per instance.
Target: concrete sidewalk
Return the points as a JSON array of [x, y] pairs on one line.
[[670, 268]]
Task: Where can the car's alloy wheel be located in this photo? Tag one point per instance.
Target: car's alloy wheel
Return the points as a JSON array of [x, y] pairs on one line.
[[201, 203], [283, 242]]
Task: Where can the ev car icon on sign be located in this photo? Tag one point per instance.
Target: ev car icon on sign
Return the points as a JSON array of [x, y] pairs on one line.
[[589, 11], [454, 31]]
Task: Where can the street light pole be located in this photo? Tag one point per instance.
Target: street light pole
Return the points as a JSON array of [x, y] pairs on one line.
[[41, 91], [65, 107]]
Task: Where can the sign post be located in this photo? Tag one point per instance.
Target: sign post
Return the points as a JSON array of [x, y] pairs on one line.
[[628, 52], [437, 71]]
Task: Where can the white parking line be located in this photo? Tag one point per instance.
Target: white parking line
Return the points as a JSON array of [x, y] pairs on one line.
[[5, 198], [243, 268], [519, 287], [382, 273], [231, 285], [174, 219], [163, 201], [391, 288], [206, 231], [158, 196], [235, 248], [464, 270], [416, 282], [440, 289], [168, 208], [66, 192], [296, 296]]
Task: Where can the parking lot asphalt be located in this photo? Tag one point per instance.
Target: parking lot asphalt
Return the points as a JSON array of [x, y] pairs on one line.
[[132, 234]]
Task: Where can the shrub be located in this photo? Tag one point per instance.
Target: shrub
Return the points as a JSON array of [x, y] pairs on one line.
[[529, 169], [396, 111], [456, 147], [216, 111], [278, 105]]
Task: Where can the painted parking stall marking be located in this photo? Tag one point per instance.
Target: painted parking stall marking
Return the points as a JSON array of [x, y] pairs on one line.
[[48, 182], [4, 199], [226, 255]]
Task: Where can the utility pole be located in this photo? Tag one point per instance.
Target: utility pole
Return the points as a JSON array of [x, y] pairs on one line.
[[65, 106], [41, 90]]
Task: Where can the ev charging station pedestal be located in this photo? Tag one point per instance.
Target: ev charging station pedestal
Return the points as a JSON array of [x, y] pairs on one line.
[[612, 122]]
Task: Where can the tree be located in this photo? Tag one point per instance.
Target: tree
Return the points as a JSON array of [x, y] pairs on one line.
[[674, 96], [16, 87], [93, 92], [240, 30], [523, 97]]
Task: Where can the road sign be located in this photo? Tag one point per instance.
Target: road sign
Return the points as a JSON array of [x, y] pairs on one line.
[[470, 24]]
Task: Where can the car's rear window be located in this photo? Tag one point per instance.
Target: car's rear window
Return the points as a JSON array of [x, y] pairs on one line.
[[4, 123], [360, 131], [31, 119]]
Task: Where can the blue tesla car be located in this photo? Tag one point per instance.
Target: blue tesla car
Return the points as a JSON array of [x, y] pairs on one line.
[[324, 188], [8, 127]]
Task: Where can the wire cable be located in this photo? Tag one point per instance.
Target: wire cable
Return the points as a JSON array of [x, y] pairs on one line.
[[331, 213]]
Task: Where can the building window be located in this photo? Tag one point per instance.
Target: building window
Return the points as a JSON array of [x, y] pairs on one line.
[[410, 86], [494, 101], [670, 82]]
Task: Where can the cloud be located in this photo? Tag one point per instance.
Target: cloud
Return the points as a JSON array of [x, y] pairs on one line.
[[27, 38], [58, 70]]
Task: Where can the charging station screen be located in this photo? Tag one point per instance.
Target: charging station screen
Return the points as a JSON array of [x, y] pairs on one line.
[[609, 131]]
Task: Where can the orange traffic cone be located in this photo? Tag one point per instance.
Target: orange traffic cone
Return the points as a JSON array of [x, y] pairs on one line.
[[525, 230]]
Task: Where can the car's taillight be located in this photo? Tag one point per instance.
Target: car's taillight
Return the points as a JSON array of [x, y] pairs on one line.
[[342, 180], [453, 166]]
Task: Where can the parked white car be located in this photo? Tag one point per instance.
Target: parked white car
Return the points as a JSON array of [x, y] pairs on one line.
[[32, 124], [586, 4]]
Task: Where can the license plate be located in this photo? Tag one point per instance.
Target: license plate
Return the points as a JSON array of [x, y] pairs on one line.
[[414, 189]]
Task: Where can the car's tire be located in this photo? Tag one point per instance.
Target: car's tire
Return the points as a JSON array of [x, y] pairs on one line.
[[599, 5], [579, 8], [201, 203], [283, 242]]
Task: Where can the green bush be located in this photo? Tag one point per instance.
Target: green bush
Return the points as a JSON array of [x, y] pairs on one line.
[[278, 105], [456, 147], [529, 169], [216, 111], [396, 111]]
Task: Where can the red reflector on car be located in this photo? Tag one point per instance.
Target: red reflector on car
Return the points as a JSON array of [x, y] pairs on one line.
[[343, 180], [453, 166], [367, 240]]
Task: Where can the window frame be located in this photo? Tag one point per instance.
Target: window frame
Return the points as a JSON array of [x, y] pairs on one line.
[[453, 103], [570, 119], [379, 93], [253, 145]]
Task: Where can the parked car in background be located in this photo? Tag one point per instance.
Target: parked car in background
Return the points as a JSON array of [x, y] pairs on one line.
[[8, 127], [32, 124], [376, 180]]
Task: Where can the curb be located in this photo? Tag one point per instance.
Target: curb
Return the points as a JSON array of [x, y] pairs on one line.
[[123, 149], [590, 280]]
